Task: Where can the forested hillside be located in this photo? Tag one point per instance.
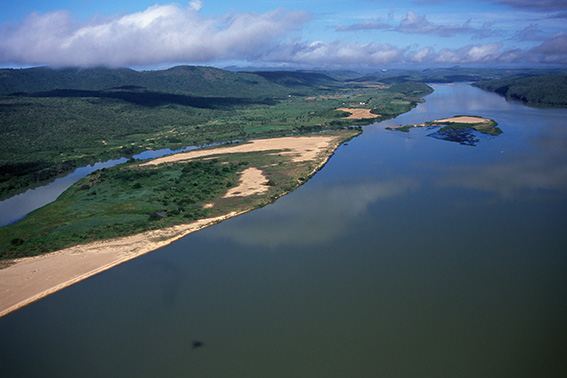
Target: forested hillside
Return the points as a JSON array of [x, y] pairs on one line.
[[193, 80], [451, 75], [545, 90], [54, 120]]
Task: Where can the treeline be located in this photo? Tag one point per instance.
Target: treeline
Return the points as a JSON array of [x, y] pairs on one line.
[[545, 90]]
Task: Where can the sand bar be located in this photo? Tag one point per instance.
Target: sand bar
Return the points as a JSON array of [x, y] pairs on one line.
[[463, 119], [29, 279], [299, 148]]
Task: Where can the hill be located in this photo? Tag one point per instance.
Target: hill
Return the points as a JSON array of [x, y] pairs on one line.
[[196, 81], [295, 79], [544, 90]]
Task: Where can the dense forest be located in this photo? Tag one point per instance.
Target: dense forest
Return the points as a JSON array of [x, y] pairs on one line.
[[449, 75], [54, 120], [543, 90]]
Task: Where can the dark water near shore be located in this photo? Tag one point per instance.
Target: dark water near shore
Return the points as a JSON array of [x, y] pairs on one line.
[[406, 256]]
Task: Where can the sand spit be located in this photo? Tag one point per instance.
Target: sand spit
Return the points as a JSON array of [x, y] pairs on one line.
[[26, 280]]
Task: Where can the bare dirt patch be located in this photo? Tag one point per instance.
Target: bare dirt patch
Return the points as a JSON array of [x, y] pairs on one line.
[[357, 113], [252, 181]]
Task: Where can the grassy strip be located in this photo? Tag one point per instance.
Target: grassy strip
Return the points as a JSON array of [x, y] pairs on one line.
[[129, 199]]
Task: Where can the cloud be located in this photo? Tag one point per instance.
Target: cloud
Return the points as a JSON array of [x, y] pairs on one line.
[[540, 5], [366, 25], [196, 5], [334, 53], [176, 34], [558, 15], [551, 51], [421, 56], [412, 23], [530, 33], [487, 53], [161, 33]]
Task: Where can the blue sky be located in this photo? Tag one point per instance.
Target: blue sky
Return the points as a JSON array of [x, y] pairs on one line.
[[303, 34]]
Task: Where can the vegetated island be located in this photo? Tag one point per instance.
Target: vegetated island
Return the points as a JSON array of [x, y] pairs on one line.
[[119, 213], [457, 129], [480, 124], [542, 90]]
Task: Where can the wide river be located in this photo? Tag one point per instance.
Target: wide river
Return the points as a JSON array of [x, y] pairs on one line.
[[406, 256]]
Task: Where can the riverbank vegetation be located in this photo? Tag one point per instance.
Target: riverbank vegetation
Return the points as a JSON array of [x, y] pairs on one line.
[[53, 121], [545, 90], [135, 197]]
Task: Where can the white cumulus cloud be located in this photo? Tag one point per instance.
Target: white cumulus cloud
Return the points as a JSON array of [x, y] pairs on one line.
[[160, 33], [196, 5]]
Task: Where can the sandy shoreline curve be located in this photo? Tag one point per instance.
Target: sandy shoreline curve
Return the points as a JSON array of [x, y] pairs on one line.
[[29, 279], [32, 278]]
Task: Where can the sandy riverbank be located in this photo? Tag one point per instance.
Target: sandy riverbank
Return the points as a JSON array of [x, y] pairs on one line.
[[29, 279]]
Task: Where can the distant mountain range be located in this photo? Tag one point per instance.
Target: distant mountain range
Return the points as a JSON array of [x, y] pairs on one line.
[[215, 82]]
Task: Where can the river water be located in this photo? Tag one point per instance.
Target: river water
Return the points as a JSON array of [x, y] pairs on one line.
[[17, 207], [406, 256]]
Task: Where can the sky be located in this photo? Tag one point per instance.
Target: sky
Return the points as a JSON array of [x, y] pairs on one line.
[[338, 34]]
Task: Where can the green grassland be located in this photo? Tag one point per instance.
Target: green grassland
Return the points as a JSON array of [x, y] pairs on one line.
[[131, 198], [103, 114]]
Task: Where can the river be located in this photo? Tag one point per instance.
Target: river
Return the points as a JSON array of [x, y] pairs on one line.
[[405, 256], [18, 206]]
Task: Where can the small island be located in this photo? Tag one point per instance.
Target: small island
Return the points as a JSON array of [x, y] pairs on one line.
[[483, 125], [457, 129]]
